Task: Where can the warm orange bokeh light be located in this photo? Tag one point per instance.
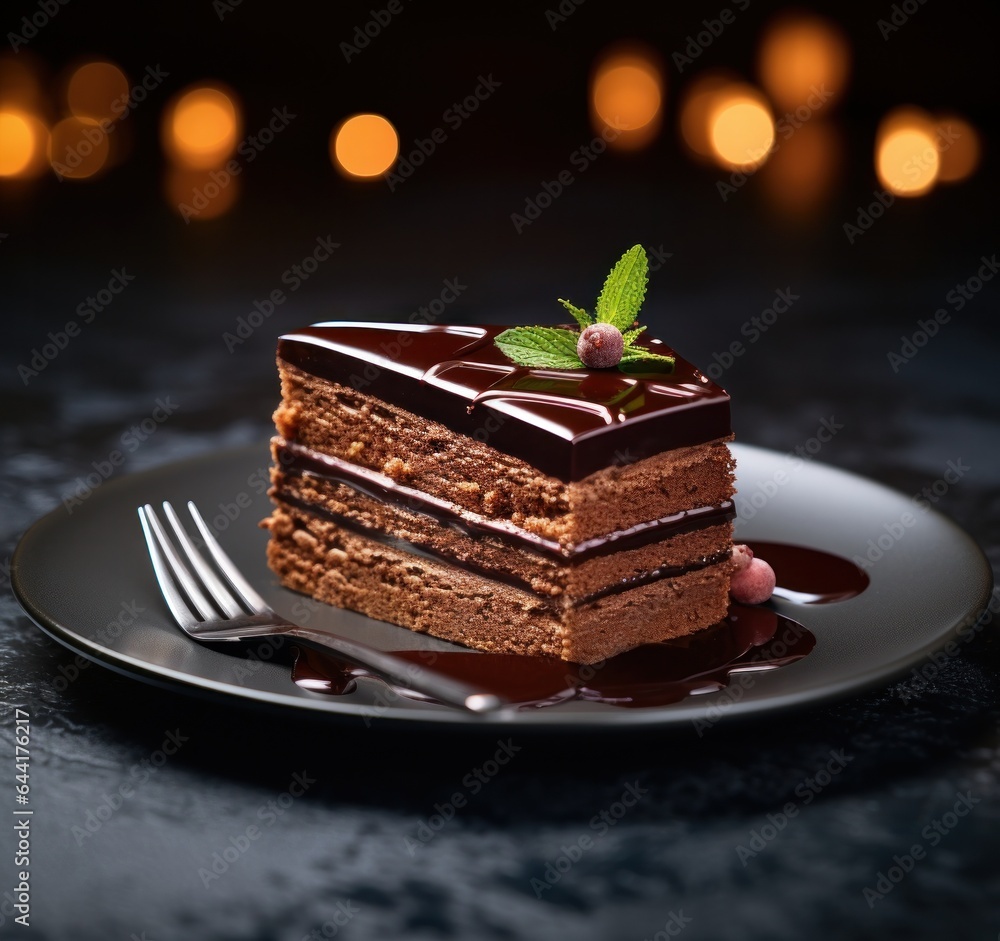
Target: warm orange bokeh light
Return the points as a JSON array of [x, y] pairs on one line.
[[364, 146], [627, 93], [201, 127], [78, 148], [960, 148], [801, 172], [802, 57], [696, 106], [198, 195], [97, 90], [907, 158], [17, 143], [741, 130]]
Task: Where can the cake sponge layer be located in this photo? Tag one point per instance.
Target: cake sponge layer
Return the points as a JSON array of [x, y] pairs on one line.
[[316, 556]]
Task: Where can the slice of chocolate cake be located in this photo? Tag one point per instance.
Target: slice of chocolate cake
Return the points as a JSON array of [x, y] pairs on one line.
[[423, 478]]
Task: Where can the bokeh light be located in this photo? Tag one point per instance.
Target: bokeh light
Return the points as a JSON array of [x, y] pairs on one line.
[[17, 143], [78, 148], [97, 90], [800, 176], [696, 107], [960, 148], [907, 158], [364, 146], [803, 56], [627, 92], [201, 127], [741, 129], [201, 195]]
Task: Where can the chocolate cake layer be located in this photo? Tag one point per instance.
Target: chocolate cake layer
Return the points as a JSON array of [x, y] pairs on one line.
[[316, 556], [566, 423], [620, 560]]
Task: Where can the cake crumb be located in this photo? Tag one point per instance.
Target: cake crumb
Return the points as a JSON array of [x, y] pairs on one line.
[[355, 448], [397, 469]]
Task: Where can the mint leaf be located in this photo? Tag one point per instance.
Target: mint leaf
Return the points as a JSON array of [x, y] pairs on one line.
[[545, 347], [624, 290], [579, 314], [630, 336], [634, 357]]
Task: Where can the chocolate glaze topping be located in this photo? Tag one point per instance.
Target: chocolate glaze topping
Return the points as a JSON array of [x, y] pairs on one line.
[[567, 423]]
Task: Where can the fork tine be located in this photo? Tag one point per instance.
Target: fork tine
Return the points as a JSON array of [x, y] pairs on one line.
[[179, 570], [168, 588], [240, 585], [220, 594]]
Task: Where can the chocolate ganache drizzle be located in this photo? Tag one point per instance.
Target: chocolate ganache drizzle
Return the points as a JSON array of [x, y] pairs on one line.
[[567, 423]]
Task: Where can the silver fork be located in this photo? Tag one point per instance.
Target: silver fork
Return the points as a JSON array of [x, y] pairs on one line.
[[237, 612]]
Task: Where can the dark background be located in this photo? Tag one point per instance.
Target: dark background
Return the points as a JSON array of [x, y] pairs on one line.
[[827, 357]]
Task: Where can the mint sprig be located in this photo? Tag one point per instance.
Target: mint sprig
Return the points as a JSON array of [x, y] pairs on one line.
[[546, 347], [618, 305]]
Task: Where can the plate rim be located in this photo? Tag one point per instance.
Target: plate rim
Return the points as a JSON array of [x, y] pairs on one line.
[[681, 714]]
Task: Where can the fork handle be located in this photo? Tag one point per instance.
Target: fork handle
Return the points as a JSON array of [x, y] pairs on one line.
[[412, 675]]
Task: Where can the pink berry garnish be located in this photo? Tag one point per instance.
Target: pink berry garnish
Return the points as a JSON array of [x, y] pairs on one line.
[[600, 346], [753, 584], [741, 556]]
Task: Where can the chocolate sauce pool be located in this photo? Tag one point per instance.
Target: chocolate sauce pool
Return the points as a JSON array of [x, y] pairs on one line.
[[749, 639]]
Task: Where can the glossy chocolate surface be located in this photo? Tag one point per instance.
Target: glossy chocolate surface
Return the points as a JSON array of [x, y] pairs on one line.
[[567, 423], [749, 640]]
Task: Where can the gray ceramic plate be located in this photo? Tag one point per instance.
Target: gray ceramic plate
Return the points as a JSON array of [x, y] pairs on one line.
[[79, 575]]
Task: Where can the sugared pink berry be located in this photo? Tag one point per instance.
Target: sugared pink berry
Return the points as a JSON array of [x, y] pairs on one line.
[[741, 556], [753, 584], [600, 346]]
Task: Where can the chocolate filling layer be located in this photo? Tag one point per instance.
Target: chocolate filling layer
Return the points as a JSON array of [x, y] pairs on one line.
[[506, 578], [295, 458]]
